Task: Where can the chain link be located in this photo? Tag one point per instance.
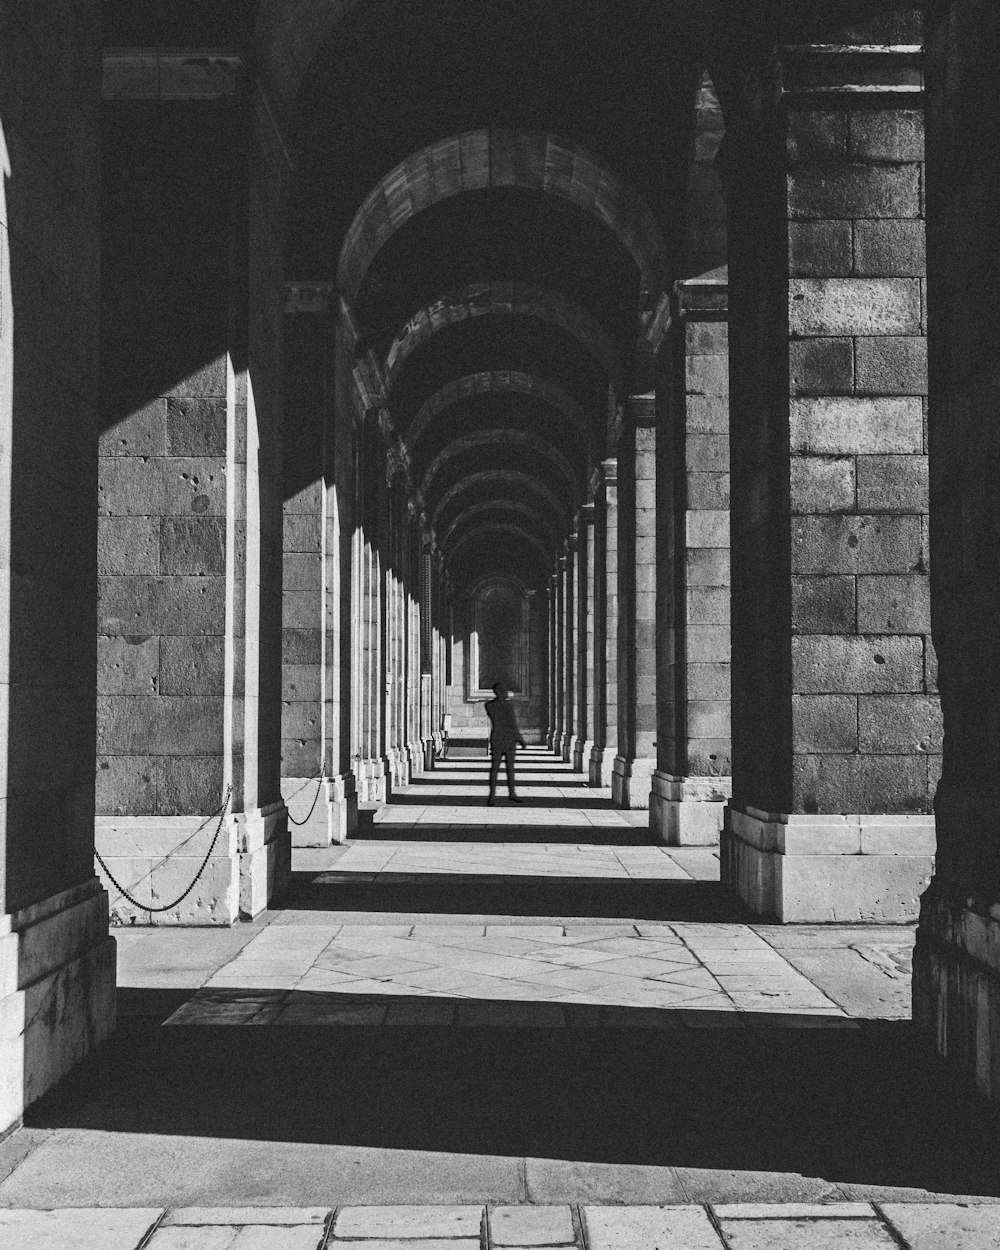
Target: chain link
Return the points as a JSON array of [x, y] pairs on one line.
[[319, 790], [221, 813]]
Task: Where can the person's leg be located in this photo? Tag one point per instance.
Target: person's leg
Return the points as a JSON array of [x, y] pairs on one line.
[[511, 787], [494, 774]]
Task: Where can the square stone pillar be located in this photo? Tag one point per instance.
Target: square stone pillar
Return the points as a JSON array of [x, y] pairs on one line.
[[605, 748], [565, 567], [560, 654], [584, 743], [956, 966], [692, 781], [57, 962], [579, 643], [636, 759], [553, 606], [190, 503], [316, 779], [836, 730]]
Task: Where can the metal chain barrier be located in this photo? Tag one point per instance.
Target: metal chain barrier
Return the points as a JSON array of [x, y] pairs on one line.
[[221, 813], [319, 790]]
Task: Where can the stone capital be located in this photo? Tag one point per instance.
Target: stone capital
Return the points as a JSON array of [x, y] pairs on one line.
[[841, 75]]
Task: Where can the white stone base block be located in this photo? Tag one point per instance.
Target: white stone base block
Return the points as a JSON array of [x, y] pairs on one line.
[[372, 781], [956, 982], [308, 819], [632, 782], [820, 869], [688, 811], [265, 862], [576, 753], [602, 763], [57, 992], [155, 858]]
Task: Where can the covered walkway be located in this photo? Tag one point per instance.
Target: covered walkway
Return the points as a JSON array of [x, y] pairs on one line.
[[526, 1005]]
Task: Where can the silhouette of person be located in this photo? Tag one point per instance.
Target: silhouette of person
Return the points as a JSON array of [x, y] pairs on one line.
[[505, 737]]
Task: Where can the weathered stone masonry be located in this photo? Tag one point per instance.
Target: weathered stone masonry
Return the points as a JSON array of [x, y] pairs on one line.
[[836, 731]]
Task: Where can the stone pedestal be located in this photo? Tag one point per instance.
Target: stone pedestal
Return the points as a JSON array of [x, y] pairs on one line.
[[328, 809], [57, 992], [803, 869], [688, 811], [567, 567]]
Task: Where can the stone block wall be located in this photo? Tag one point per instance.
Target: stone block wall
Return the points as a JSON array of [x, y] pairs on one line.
[[162, 491]]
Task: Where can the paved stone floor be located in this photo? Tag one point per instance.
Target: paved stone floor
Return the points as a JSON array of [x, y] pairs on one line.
[[723, 1226], [526, 1007]]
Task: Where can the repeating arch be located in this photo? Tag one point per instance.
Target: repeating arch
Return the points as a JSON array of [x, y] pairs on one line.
[[503, 437], [504, 479], [516, 531], [498, 382], [518, 299], [480, 160], [502, 506]]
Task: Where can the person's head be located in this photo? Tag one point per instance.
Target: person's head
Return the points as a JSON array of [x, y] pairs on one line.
[[500, 690]]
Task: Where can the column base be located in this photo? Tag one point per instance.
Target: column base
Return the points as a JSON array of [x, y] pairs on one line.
[[956, 982], [550, 739], [306, 800], [581, 755], [156, 858], [373, 781], [57, 992], [576, 753], [602, 763], [821, 869], [688, 811], [397, 767], [564, 747], [631, 782], [265, 856]]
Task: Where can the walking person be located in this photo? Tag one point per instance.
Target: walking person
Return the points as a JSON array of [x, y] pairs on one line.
[[505, 738]]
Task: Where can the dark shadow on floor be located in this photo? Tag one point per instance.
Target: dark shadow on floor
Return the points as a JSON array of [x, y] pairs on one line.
[[867, 1106], [515, 896]]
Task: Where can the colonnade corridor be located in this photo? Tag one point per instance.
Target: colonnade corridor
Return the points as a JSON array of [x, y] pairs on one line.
[[520, 1021]]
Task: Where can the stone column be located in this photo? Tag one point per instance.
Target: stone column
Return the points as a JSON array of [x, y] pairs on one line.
[[605, 747], [57, 963], [584, 523], [635, 762], [956, 985], [190, 496], [568, 569], [692, 780], [317, 784], [560, 654], [584, 743], [553, 602], [836, 731]]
